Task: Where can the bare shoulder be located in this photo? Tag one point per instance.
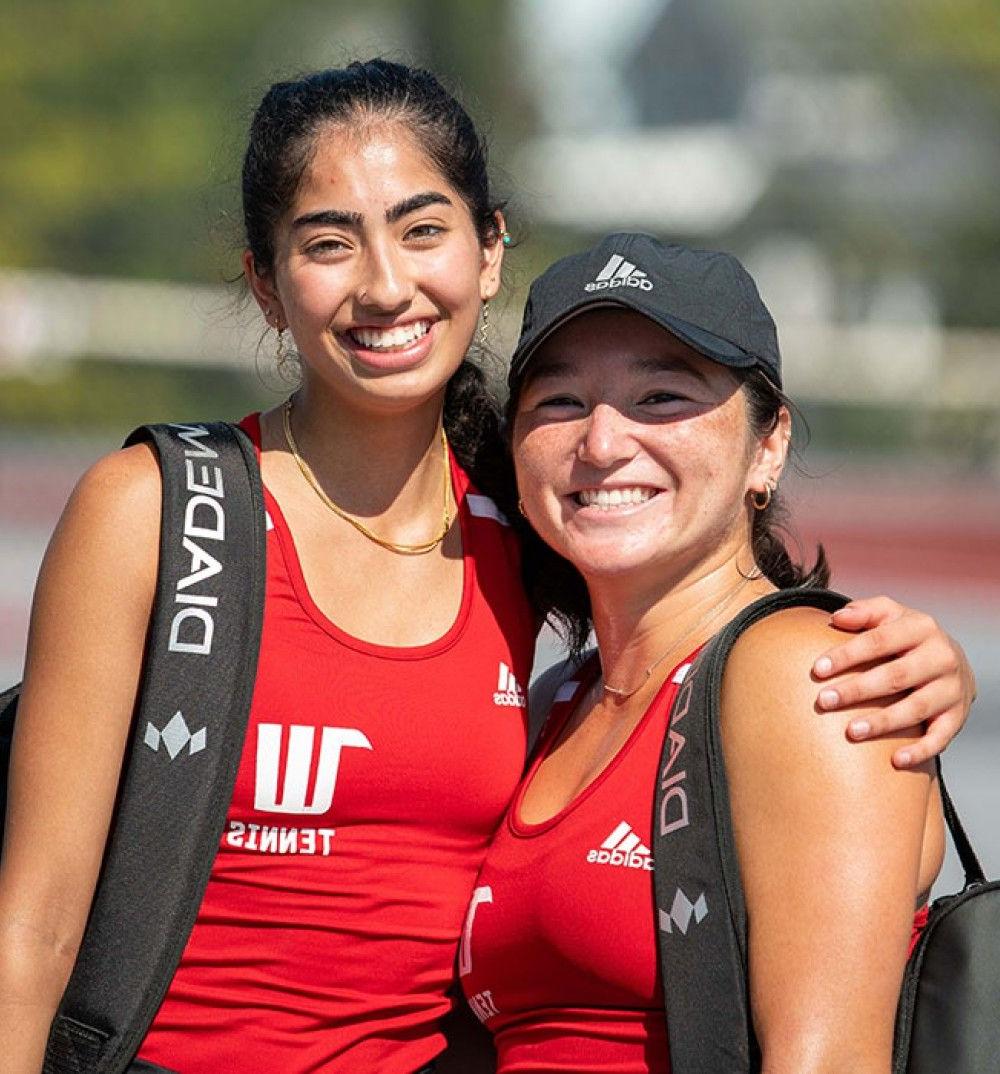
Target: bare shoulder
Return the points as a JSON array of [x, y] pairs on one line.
[[769, 698], [113, 513], [769, 692], [99, 570], [123, 487], [779, 651]]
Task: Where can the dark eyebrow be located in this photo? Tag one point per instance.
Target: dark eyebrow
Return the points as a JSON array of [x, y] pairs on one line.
[[331, 218], [411, 205], [354, 221]]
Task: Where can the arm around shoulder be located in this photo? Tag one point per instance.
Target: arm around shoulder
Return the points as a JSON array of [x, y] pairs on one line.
[[88, 627], [834, 847]]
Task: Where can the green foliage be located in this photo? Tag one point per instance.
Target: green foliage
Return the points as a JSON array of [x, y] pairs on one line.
[[124, 122], [117, 396]]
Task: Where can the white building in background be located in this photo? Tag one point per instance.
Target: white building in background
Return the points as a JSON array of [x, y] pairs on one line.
[[683, 117]]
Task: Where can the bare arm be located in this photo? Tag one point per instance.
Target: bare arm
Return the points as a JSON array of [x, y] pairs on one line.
[[833, 853], [85, 644]]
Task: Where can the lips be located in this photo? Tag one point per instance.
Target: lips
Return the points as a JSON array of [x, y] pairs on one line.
[[392, 348]]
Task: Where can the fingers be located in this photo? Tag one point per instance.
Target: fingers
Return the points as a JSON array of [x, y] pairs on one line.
[[935, 740], [926, 707], [889, 639], [908, 713], [868, 612]]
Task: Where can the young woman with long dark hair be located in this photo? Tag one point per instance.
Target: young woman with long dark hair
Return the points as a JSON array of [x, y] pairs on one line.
[[386, 734]]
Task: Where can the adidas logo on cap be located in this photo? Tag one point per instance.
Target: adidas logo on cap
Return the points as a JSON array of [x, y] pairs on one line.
[[623, 847], [619, 273]]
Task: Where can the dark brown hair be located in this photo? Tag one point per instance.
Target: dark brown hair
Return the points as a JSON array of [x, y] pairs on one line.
[[283, 137]]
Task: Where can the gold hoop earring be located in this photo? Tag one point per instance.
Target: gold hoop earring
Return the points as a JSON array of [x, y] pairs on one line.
[[761, 500], [520, 507], [484, 325]]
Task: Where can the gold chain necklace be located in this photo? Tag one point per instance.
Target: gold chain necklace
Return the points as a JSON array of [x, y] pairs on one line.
[[623, 695], [392, 546]]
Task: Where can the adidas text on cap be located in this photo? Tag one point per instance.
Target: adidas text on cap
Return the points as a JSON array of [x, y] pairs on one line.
[[705, 298]]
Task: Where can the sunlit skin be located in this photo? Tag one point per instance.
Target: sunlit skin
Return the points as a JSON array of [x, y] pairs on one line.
[[376, 238], [615, 401], [617, 409]]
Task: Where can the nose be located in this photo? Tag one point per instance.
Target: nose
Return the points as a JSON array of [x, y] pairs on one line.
[[384, 282], [607, 437]]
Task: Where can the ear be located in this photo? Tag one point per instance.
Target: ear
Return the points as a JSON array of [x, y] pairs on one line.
[[263, 290], [770, 454], [492, 261]]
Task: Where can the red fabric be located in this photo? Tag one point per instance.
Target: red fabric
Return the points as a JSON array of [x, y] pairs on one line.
[[326, 938], [561, 961], [919, 924], [559, 952]]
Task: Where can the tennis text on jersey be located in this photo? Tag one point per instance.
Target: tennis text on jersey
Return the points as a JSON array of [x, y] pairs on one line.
[[269, 839], [509, 690], [623, 848], [619, 273], [192, 627]]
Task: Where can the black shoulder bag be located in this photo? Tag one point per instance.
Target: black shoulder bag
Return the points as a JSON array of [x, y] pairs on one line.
[[184, 750], [948, 1018]]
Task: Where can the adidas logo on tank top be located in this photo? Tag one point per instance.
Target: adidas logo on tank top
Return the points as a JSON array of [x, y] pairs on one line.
[[509, 690], [623, 848]]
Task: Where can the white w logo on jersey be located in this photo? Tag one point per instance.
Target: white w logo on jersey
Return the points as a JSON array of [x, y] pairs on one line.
[[298, 764]]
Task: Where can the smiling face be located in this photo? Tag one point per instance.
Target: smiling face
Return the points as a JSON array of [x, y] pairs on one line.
[[379, 272], [634, 452]]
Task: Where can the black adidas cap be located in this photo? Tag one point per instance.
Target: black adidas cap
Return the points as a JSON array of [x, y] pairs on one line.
[[705, 298]]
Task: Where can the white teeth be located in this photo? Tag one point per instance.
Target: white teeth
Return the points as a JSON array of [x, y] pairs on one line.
[[377, 339], [607, 499]]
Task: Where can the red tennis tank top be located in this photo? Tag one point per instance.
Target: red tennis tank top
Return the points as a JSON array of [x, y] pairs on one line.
[[371, 780], [558, 955]]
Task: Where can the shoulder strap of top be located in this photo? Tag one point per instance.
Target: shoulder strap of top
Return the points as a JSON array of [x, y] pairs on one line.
[[185, 746], [543, 691]]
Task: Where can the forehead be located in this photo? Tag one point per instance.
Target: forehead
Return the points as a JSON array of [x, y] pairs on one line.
[[616, 339], [369, 160]]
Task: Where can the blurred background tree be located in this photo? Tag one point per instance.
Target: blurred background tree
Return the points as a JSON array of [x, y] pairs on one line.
[[870, 134]]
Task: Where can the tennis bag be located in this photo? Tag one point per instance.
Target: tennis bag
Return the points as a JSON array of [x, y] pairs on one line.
[[948, 1018], [184, 750]]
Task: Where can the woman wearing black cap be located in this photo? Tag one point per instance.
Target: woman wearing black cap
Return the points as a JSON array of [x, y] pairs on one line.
[[395, 626], [649, 434]]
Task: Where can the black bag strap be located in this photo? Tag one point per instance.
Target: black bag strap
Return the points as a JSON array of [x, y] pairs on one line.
[[185, 748], [971, 866], [701, 913]]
